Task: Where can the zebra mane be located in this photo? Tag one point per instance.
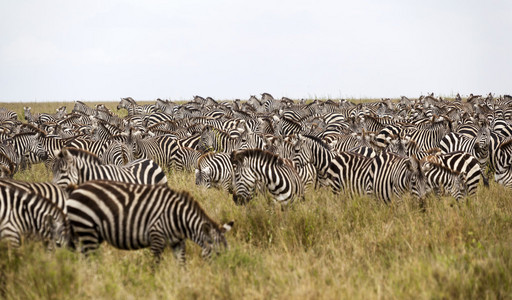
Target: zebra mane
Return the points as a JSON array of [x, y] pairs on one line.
[[207, 154], [81, 153], [506, 144], [196, 206], [19, 135], [442, 167], [238, 156], [318, 141], [215, 130], [33, 129]]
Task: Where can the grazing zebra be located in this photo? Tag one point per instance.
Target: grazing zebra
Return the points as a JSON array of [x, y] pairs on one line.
[[214, 170], [442, 180], [29, 214], [350, 172], [394, 175], [48, 190], [76, 166], [252, 167], [131, 216], [462, 162], [186, 159]]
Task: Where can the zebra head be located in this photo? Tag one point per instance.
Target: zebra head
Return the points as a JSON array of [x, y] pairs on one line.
[[56, 229], [36, 147], [302, 153], [212, 238], [65, 169], [417, 178], [203, 177], [244, 181]]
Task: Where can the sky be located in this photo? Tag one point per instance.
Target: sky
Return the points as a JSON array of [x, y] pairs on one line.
[[94, 50]]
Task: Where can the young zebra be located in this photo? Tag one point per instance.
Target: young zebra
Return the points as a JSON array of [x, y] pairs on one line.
[[215, 170], [75, 166], [253, 167], [131, 216], [29, 214]]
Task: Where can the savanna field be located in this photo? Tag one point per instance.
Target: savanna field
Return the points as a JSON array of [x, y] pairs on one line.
[[325, 247]]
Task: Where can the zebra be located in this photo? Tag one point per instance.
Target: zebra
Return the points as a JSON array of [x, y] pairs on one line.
[[252, 167], [503, 166], [160, 149], [394, 175], [350, 172], [478, 147], [8, 168], [214, 170], [7, 114], [310, 149], [29, 214], [117, 153], [462, 162], [48, 190], [186, 159], [75, 166], [133, 216], [27, 144], [134, 109], [83, 109], [218, 141], [441, 180]]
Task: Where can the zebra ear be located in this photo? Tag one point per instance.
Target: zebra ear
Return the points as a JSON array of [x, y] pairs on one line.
[[227, 227]]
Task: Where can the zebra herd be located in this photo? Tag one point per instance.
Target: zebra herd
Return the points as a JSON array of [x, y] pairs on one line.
[[109, 172]]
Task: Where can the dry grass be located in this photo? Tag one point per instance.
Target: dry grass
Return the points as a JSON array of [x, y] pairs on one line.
[[327, 247]]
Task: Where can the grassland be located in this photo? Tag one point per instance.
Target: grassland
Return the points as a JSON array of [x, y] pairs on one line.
[[326, 247]]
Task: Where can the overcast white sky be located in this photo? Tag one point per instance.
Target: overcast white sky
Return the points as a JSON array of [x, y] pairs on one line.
[[104, 50]]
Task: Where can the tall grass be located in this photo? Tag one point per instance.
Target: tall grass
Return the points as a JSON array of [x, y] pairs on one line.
[[326, 247]]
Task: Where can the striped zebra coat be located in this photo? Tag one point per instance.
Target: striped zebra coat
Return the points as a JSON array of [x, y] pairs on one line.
[[24, 214], [132, 216], [215, 170], [253, 167], [394, 175], [76, 166], [48, 190]]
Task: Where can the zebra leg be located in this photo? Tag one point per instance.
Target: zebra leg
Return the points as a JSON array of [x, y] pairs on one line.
[[179, 252], [157, 244]]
